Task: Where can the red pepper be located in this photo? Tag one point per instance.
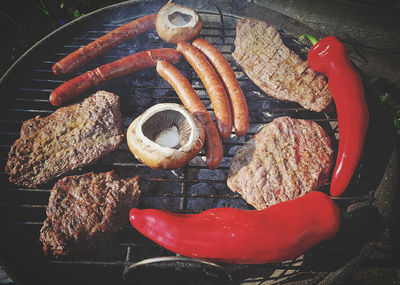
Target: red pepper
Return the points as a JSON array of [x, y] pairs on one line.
[[280, 232], [328, 56]]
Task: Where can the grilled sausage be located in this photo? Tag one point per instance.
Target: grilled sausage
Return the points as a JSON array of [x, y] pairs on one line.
[[240, 111], [134, 62], [103, 44], [213, 84], [191, 101]]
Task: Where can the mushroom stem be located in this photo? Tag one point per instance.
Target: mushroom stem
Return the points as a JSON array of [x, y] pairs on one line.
[[168, 138]]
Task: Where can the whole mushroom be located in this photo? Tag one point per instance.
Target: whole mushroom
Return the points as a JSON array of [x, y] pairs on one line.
[[175, 23], [166, 136]]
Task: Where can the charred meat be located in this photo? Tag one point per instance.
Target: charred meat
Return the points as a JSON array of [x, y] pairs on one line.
[[84, 210]]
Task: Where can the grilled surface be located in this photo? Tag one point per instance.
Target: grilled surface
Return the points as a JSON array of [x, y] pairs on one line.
[[285, 160], [274, 68], [84, 210], [189, 190], [71, 137]]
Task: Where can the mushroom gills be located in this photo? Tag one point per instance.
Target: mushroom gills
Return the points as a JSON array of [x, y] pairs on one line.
[[179, 19], [168, 129]]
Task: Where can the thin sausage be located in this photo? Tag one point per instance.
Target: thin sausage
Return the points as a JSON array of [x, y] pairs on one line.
[[214, 86], [192, 102], [103, 44], [134, 62], [240, 110]]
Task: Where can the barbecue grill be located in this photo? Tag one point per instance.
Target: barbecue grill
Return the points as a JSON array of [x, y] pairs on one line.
[[130, 257]]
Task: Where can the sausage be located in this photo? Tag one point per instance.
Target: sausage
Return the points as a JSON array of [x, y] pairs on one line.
[[214, 86], [240, 110], [191, 101], [103, 44], [134, 62]]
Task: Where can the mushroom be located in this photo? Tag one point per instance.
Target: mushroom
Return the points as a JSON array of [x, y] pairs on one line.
[[175, 23], [166, 136]]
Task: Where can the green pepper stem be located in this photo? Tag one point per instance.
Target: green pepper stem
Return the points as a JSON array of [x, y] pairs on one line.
[[313, 40]]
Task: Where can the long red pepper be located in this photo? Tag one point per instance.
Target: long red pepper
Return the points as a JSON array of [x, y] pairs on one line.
[[328, 56], [280, 232]]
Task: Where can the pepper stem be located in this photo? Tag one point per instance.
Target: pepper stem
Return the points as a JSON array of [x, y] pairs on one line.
[[313, 40]]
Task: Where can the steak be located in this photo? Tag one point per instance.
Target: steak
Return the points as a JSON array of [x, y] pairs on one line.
[[84, 210], [285, 160], [275, 69], [71, 137]]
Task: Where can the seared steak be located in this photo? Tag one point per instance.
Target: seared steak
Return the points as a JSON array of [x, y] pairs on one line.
[[274, 68], [84, 210], [71, 137], [286, 159]]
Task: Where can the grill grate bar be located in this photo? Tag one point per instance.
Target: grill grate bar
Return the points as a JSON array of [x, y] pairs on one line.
[[30, 100], [250, 133], [43, 70], [123, 263], [191, 195], [32, 111], [134, 164], [82, 262], [27, 223], [22, 206], [45, 80], [272, 113], [35, 90], [19, 189]]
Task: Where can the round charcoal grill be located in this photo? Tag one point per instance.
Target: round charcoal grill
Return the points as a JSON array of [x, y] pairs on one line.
[[130, 257]]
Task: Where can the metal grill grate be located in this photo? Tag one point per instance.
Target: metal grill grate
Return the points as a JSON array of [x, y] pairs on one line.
[[189, 190]]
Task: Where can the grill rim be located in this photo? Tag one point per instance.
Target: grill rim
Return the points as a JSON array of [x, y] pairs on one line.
[[49, 37]]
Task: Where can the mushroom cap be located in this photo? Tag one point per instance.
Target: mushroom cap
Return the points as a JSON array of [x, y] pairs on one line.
[[152, 136], [175, 23]]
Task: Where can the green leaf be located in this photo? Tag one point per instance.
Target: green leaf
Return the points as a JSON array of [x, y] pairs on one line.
[[373, 80], [385, 97], [43, 8], [313, 40], [76, 13]]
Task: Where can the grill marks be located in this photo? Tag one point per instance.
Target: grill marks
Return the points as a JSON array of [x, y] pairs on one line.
[[71, 137], [84, 210], [285, 160], [277, 70]]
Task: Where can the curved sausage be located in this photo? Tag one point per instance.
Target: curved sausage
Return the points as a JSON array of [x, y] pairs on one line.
[[240, 110], [103, 44], [134, 62], [214, 86], [191, 101]]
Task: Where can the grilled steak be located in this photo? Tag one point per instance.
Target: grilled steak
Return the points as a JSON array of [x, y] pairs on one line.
[[274, 68], [84, 210], [71, 137], [286, 159]]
